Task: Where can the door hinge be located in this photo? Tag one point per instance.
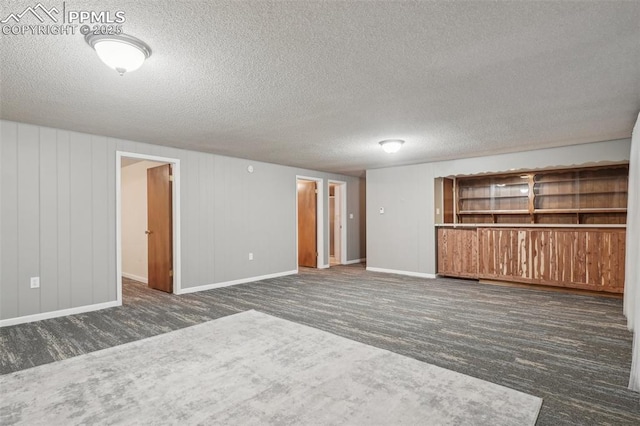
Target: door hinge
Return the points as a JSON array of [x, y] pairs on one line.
[[170, 178], [316, 254], [170, 272], [316, 191]]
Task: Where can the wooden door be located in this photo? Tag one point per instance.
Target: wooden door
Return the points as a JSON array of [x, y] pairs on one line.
[[160, 228], [307, 224]]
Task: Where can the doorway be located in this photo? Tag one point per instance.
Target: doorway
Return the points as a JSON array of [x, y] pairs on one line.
[[148, 222], [309, 223], [337, 223]]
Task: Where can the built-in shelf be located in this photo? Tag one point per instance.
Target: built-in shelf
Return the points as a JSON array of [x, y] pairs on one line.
[[494, 212], [538, 194], [587, 210], [495, 197], [592, 195]]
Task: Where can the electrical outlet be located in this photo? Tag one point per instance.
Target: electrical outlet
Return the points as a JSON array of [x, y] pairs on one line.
[[35, 282], [250, 256]]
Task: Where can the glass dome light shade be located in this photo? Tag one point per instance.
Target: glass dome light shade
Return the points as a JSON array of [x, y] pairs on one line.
[[391, 146], [121, 52]]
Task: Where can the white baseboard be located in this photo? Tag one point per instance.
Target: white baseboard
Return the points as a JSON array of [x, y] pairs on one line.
[[408, 273], [351, 262], [234, 282], [59, 313], [135, 277], [323, 267]]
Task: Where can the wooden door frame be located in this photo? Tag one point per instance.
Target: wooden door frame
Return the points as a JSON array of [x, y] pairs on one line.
[[175, 165], [319, 219], [343, 219]]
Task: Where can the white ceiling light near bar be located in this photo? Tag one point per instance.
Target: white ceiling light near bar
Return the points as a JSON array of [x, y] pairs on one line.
[[392, 145]]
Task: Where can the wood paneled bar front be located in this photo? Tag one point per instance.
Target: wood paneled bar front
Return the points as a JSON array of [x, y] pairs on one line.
[[589, 257]]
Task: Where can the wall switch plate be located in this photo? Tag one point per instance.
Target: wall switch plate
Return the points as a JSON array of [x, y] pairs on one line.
[[350, 215], [437, 210], [35, 282], [250, 256], [381, 210]]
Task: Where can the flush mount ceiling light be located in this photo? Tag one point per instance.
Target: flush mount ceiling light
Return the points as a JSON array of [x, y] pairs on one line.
[[391, 145], [121, 52]]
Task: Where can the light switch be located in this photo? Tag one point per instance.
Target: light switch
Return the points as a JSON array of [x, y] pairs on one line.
[[381, 210], [350, 215], [437, 210], [35, 282]]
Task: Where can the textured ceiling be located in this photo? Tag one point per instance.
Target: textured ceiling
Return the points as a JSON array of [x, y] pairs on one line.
[[318, 84]]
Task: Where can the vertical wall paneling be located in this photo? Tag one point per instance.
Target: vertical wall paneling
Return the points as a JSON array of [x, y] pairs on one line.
[[58, 214], [48, 215], [111, 224], [64, 220], [9, 220], [359, 232], [205, 242], [99, 219], [28, 220], [276, 251], [236, 217], [192, 185], [211, 234], [220, 254], [421, 225], [81, 219], [251, 212]]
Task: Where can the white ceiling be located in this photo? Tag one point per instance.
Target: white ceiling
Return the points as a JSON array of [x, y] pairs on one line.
[[318, 84]]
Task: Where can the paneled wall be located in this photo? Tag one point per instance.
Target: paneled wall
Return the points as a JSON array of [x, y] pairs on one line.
[[57, 217]]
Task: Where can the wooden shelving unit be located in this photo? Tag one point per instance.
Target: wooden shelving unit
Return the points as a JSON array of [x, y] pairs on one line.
[[561, 228], [594, 195]]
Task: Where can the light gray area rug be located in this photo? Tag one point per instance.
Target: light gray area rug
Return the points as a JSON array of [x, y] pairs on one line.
[[252, 368]]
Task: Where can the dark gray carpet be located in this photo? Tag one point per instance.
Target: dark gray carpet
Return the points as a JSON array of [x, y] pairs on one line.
[[571, 350]]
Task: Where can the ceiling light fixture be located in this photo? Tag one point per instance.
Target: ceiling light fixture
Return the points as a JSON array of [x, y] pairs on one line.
[[391, 145], [121, 52]]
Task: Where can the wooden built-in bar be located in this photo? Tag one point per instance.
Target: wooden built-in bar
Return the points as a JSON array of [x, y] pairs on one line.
[[589, 257]]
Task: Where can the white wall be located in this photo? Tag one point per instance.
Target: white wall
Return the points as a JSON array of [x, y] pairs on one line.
[[57, 218], [403, 238], [134, 220]]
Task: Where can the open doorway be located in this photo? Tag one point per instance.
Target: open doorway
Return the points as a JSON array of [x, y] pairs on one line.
[[309, 222], [147, 203], [337, 223]]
